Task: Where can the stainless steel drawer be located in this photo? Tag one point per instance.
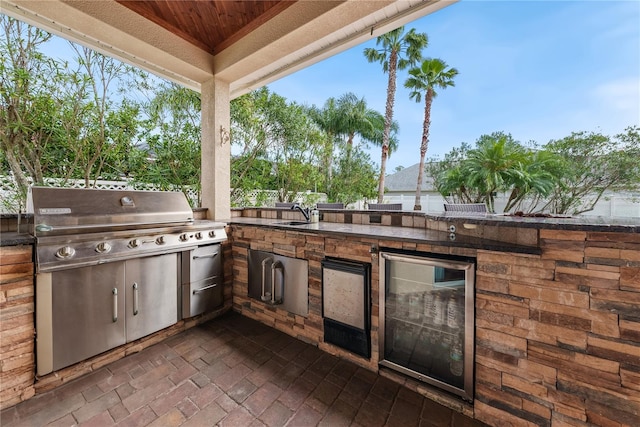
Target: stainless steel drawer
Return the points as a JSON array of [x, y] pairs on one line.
[[202, 280]]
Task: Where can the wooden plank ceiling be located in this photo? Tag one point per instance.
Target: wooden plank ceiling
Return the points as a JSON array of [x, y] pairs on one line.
[[211, 25]]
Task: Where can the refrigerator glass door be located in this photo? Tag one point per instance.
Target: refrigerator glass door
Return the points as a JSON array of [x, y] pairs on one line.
[[425, 320]]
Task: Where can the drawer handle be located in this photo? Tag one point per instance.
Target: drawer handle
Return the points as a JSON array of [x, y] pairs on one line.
[[197, 291], [114, 291], [205, 256], [135, 299]]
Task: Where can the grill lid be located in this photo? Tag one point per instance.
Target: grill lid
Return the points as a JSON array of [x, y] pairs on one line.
[[68, 209]]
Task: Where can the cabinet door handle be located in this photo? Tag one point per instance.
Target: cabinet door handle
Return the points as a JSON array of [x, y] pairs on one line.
[[114, 291], [135, 298], [265, 296], [277, 265], [213, 255], [196, 291]]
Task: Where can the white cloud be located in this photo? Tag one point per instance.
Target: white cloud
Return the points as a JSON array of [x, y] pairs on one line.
[[622, 96]]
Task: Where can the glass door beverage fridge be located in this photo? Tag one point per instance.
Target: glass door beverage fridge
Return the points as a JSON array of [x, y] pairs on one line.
[[426, 319]]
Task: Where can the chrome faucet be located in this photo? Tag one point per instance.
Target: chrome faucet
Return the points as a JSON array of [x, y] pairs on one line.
[[305, 211]]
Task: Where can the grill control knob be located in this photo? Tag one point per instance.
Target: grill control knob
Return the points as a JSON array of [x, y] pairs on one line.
[[160, 240], [183, 237], [103, 247], [212, 233], [134, 243], [65, 252], [198, 235]]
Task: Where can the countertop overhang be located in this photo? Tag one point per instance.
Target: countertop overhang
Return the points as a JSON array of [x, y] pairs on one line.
[[579, 223], [386, 232]]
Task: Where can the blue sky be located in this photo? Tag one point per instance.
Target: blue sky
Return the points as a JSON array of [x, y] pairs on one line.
[[538, 70]]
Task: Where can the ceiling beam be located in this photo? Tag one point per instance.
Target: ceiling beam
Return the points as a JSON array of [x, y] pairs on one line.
[[302, 34]]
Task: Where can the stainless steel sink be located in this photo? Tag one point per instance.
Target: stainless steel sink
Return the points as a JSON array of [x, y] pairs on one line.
[[292, 223]]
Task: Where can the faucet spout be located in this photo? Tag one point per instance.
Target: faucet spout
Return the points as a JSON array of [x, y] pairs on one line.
[[305, 211]]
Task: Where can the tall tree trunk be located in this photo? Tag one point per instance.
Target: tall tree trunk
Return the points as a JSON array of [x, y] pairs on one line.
[[19, 176], [423, 146], [388, 118], [350, 145], [329, 162]]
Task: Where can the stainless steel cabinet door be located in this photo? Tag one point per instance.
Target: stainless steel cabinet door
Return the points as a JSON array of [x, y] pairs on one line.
[[87, 312], [151, 286], [292, 279]]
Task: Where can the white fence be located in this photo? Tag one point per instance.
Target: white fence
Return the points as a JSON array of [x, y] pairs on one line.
[[9, 203], [622, 205]]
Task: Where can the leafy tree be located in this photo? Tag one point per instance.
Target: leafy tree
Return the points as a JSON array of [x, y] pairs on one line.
[[498, 163], [172, 135], [493, 166], [266, 127], [448, 178], [296, 152], [355, 177], [592, 163], [398, 50], [375, 134], [249, 132], [329, 121], [96, 137], [432, 74], [27, 112], [347, 117], [58, 121], [356, 118], [537, 177]]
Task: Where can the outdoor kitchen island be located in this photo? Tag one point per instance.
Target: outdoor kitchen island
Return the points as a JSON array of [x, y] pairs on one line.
[[557, 331]]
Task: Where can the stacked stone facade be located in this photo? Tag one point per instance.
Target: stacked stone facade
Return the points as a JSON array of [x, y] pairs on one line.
[[558, 335], [17, 330]]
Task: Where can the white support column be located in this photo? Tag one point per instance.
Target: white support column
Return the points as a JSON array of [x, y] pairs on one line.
[[216, 149]]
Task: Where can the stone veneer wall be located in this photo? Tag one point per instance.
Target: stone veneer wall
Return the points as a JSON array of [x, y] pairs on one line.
[[314, 247], [558, 335], [17, 368]]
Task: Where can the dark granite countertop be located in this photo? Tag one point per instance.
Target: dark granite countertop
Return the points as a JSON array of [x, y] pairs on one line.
[[583, 223], [416, 235], [12, 238]]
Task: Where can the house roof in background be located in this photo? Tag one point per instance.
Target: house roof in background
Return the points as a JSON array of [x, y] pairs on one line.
[[406, 179]]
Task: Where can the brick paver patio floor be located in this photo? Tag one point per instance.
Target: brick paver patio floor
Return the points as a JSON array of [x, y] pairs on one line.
[[232, 371]]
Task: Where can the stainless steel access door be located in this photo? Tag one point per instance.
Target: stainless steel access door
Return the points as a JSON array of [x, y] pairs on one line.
[[80, 314], [291, 284], [151, 288]]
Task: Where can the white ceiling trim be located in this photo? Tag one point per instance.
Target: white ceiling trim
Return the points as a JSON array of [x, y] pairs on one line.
[[379, 21], [303, 34]]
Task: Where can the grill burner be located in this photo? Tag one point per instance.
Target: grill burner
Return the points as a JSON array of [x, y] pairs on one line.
[[80, 227]]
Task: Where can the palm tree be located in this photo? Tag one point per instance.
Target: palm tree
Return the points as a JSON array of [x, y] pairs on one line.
[[398, 51], [328, 119], [356, 118], [377, 133], [433, 73]]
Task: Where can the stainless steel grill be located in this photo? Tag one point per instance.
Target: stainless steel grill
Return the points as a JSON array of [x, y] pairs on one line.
[[80, 227], [113, 266]]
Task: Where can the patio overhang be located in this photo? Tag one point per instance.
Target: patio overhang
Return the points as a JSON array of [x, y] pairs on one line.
[[289, 36], [220, 48]]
